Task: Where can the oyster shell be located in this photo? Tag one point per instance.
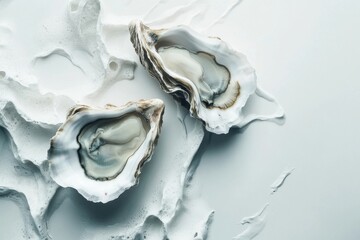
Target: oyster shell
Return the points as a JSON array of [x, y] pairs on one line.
[[215, 80], [100, 152]]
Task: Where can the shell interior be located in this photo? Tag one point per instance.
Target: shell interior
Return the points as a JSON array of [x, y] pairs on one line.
[[107, 144], [100, 151], [215, 80], [185, 59]]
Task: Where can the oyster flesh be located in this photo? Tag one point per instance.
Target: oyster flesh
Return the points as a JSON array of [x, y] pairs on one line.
[[215, 80], [100, 152]]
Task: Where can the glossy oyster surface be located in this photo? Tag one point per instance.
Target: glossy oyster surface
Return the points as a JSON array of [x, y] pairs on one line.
[[215, 80], [100, 151]]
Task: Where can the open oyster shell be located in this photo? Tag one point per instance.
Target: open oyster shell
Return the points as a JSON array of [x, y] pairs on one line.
[[215, 80], [100, 152]]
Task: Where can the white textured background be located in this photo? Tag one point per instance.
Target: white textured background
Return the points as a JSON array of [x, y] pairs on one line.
[[306, 53]]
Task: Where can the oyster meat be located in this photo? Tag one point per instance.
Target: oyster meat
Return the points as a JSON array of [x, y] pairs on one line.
[[215, 80], [100, 152]]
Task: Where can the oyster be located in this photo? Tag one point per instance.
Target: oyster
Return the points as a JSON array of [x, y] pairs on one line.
[[215, 80], [100, 152]]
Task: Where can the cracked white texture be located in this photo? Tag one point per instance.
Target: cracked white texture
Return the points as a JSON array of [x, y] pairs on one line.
[[28, 185]]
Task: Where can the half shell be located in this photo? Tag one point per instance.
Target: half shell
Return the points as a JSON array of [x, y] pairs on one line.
[[100, 152], [215, 80]]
